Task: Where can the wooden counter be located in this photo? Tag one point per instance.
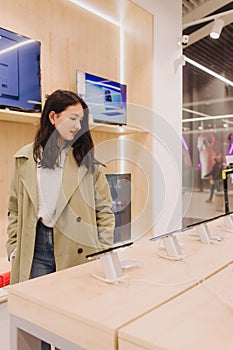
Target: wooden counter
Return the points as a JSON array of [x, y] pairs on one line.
[[70, 308], [199, 319]]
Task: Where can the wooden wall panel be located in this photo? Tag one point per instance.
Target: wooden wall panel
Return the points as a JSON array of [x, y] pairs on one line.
[[138, 51], [131, 153], [138, 162], [12, 137], [74, 39]]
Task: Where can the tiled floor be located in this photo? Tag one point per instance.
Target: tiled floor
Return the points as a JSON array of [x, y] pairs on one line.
[[197, 209]]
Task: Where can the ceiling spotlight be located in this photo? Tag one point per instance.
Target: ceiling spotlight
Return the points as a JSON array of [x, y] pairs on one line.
[[217, 28]]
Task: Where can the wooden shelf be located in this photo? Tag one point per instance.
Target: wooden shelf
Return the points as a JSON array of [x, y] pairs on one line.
[[34, 118], [115, 129], [19, 117]]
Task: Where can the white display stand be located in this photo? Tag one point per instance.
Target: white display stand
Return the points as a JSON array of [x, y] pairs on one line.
[[204, 233], [111, 268], [228, 223], [172, 248]]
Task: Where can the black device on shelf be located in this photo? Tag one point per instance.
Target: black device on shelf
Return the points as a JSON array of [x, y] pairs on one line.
[[120, 187], [106, 99], [20, 83]]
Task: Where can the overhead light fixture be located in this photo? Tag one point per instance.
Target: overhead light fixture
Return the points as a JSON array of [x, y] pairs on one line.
[[214, 117], [217, 28], [195, 112], [208, 71]]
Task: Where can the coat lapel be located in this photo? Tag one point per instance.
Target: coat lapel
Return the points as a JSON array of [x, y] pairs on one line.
[[27, 175], [72, 177]]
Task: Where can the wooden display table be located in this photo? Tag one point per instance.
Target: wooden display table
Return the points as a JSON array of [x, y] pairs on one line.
[[198, 319], [70, 308]]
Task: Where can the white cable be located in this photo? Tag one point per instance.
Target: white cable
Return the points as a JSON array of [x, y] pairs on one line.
[[173, 258], [108, 280], [199, 281], [202, 282], [228, 229], [114, 280], [160, 284]]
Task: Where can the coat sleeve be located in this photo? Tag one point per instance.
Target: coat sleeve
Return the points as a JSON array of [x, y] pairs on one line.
[[104, 215], [12, 216]]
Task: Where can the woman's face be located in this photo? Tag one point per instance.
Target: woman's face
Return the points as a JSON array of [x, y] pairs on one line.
[[68, 122]]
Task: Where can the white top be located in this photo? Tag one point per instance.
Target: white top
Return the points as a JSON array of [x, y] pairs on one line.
[[48, 187]]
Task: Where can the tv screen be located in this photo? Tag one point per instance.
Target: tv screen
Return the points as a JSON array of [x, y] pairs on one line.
[[20, 87], [120, 187], [105, 98]]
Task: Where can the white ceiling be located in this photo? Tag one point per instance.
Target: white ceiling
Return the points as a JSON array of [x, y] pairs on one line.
[[197, 9], [210, 97]]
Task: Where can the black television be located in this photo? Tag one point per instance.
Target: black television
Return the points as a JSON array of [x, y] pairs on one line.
[[120, 187], [20, 83], [106, 99]]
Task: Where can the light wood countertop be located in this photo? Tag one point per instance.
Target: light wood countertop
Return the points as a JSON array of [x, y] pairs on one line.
[[198, 319], [88, 312]]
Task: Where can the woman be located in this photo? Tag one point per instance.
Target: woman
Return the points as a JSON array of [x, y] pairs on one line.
[[60, 202]]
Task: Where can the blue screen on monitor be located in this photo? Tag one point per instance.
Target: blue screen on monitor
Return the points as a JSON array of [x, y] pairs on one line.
[[20, 87], [105, 98]]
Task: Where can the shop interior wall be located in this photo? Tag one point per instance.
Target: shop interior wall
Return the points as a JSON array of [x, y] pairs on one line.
[[72, 38], [166, 125]]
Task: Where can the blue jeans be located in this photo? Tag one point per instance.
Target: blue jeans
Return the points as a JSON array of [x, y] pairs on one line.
[[43, 260]]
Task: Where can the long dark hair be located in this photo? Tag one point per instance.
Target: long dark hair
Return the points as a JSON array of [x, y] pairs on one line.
[[46, 149]]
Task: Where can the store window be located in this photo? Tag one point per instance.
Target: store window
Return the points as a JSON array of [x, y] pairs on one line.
[[207, 121]]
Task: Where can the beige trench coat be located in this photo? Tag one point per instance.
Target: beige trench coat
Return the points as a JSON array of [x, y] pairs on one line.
[[84, 221]]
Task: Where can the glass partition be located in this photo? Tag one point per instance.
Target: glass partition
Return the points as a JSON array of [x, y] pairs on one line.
[[207, 124]]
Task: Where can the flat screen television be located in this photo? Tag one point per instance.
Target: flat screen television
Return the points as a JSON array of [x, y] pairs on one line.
[[20, 84], [106, 99], [120, 187]]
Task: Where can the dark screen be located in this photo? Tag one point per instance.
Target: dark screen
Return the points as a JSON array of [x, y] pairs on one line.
[[120, 187]]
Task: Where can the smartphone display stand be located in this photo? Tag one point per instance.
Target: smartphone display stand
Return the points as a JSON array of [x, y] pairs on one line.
[[111, 268], [172, 247], [204, 233], [228, 223]]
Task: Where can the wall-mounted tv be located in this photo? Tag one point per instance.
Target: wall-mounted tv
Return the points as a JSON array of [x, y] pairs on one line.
[[20, 85], [106, 99], [120, 187]]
